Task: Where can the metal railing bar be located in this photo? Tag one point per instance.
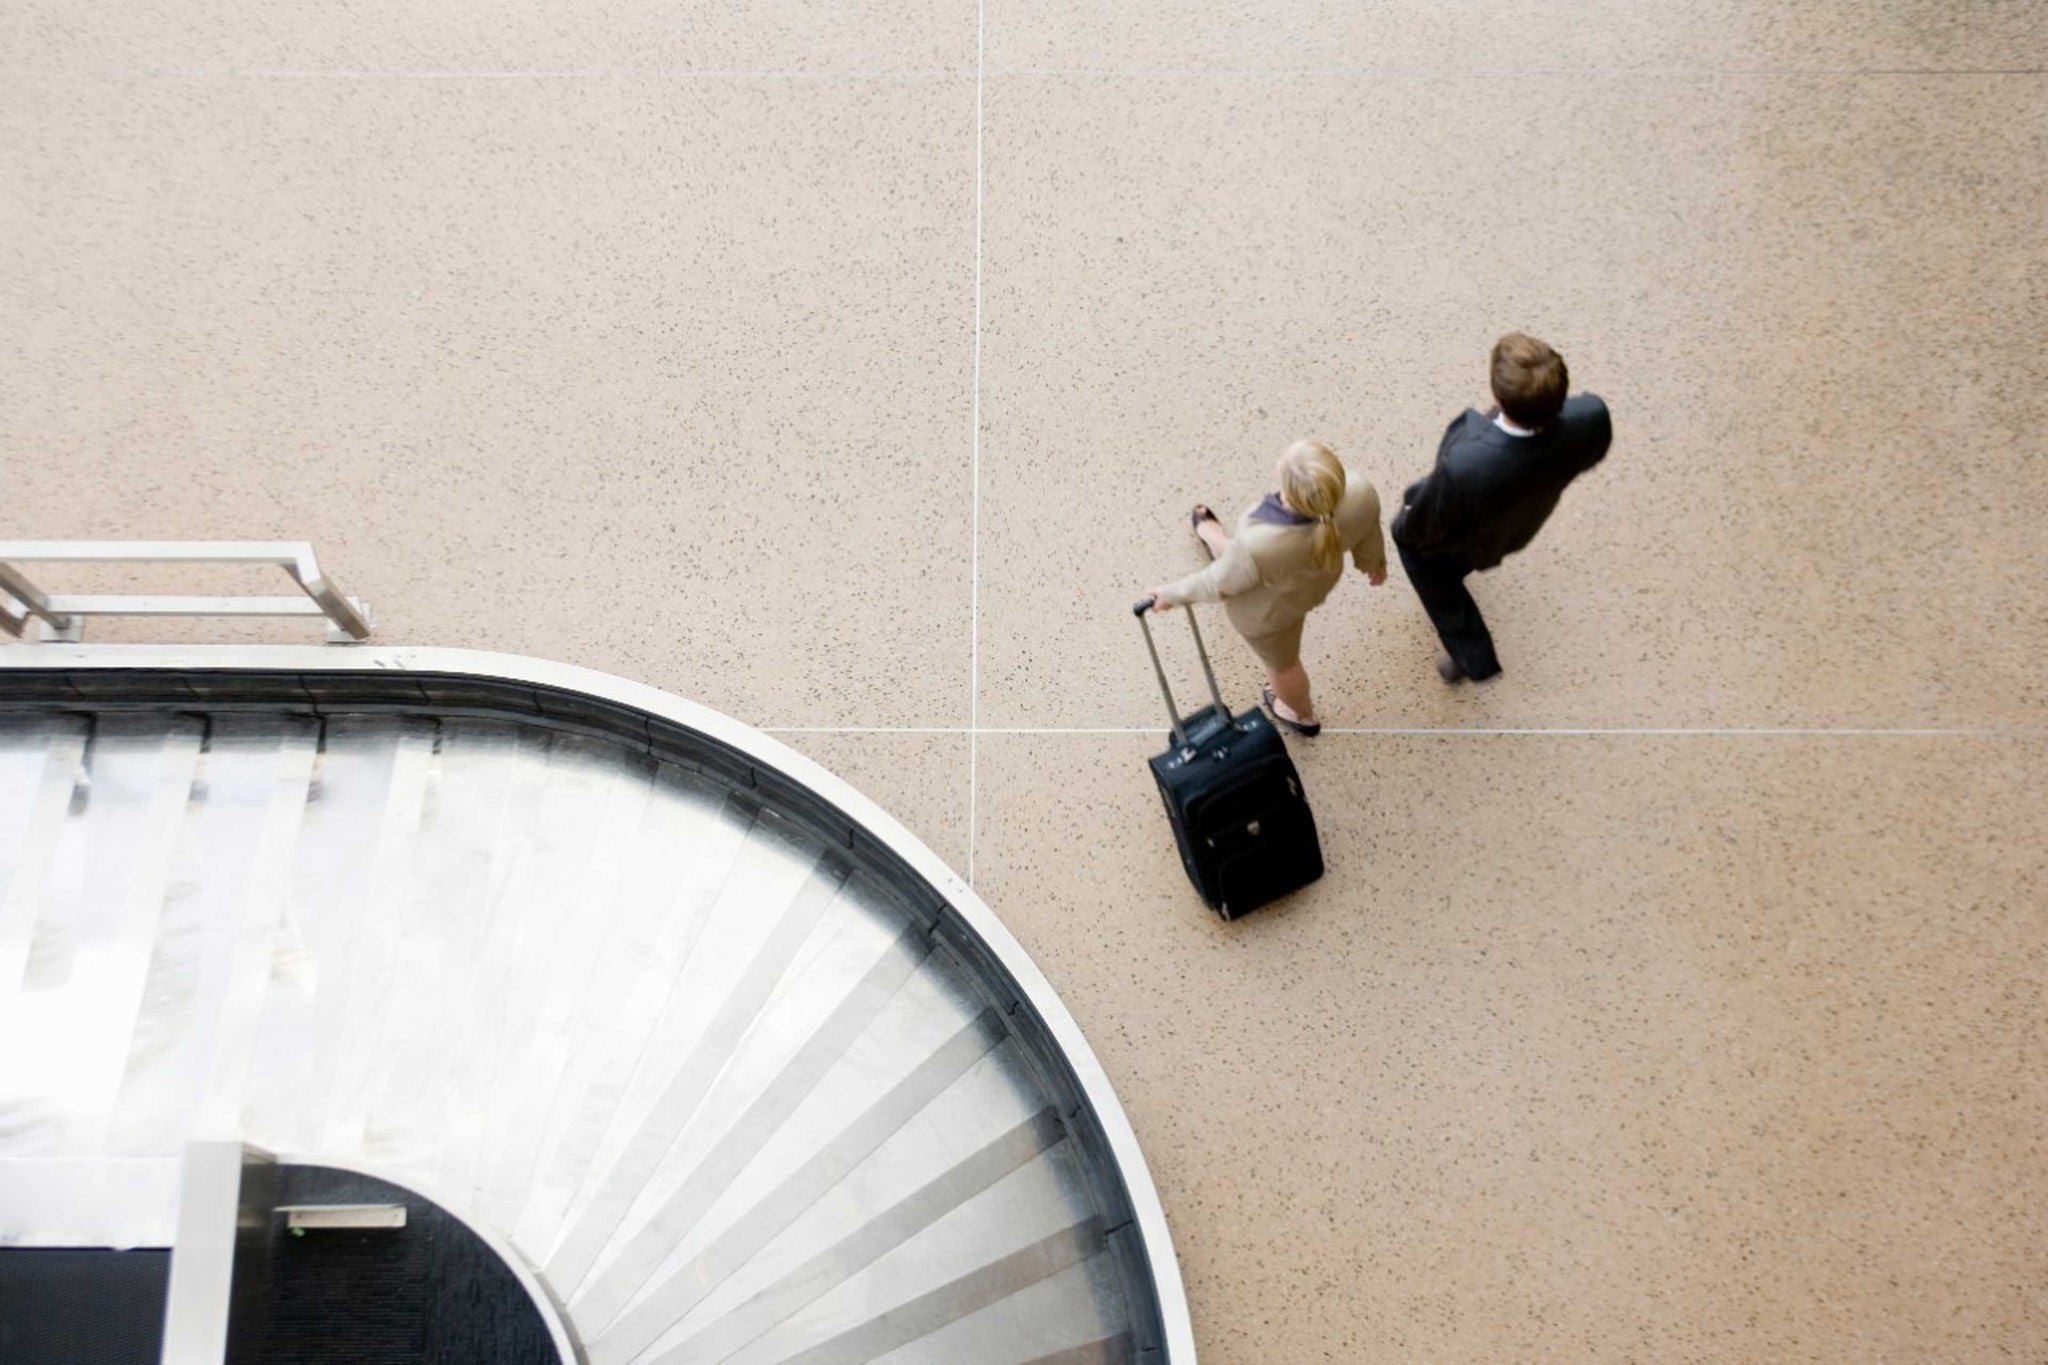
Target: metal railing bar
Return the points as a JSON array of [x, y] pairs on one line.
[[347, 617], [87, 605], [283, 553]]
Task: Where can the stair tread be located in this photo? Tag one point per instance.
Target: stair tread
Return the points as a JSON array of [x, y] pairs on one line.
[[716, 1081]]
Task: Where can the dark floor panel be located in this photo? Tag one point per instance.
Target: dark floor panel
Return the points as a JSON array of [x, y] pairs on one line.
[[429, 1292], [82, 1307]]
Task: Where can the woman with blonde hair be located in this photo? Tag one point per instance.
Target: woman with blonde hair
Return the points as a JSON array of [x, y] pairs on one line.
[[1286, 556]]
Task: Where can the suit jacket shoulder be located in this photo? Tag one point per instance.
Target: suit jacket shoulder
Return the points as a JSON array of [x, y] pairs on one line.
[[1466, 428], [1585, 429]]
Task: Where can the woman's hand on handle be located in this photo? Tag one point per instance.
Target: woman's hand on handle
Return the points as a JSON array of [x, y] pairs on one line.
[[1159, 602]]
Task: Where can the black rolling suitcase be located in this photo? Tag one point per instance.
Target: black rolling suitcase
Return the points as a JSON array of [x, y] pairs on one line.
[[1234, 799]]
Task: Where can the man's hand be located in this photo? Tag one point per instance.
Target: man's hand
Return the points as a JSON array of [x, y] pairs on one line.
[[1376, 579]]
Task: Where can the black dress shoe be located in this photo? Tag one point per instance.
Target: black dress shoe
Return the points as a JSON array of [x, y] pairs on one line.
[[1447, 669], [1307, 729]]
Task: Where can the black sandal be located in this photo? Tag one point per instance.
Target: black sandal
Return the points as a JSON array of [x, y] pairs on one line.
[[1195, 520], [1306, 729]]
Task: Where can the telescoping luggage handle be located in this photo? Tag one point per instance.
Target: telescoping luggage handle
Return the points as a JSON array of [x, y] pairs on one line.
[[1180, 736]]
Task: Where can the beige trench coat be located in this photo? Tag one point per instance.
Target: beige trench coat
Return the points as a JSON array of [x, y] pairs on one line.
[[1267, 581]]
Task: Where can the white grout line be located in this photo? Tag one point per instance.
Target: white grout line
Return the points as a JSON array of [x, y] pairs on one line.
[[1648, 731], [285, 73], [1725, 732], [960, 73], [863, 729], [1481, 72], [974, 506]]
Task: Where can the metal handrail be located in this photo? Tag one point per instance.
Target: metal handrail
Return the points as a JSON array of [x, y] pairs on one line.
[[62, 615]]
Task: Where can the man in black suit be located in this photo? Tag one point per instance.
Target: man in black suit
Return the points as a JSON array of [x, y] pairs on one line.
[[1498, 475]]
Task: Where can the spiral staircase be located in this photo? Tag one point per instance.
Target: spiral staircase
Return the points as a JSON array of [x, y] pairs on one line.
[[728, 1066]]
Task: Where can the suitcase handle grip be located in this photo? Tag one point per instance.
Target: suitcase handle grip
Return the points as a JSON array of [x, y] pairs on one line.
[[1139, 610]]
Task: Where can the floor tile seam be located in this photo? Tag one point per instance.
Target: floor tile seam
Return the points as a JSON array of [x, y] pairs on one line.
[[974, 422], [1192, 73], [737, 74], [1708, 731], [1587, 731], [962, 73]]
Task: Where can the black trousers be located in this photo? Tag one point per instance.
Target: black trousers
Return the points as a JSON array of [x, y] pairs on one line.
[[1440, 582]]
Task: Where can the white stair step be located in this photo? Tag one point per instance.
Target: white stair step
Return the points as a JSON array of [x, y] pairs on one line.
[[487, 778], [1073, 1317], [656, 1238], [983, 1229], [880, 1233], [547, 911], [42, 767], [350, 911], [630, 1010], [872, 1332], [89, 958], [755, 1226], [773, 864], [536, 1041], [848, 941], [925, 1018], [210, 964], [973, 1112], [749, 991]]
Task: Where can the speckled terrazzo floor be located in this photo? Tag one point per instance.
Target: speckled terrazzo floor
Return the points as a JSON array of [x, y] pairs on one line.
[[1677, 997]]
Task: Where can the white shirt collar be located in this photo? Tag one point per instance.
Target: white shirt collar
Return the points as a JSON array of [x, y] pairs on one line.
[[1500, 420]]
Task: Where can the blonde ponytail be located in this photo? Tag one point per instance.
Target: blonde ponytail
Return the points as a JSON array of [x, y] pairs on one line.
[[1312, 483]]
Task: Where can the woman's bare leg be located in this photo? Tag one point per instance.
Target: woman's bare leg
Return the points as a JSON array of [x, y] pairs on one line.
[[1290, 690], [1213, 535]]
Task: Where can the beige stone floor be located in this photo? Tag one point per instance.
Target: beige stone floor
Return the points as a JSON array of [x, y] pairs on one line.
[[849, 366]]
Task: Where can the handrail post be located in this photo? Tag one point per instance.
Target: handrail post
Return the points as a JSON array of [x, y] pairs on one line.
[[34, 603], [346, 620]]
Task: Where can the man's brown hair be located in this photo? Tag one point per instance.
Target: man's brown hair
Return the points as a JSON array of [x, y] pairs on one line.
[[1529, 380]]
